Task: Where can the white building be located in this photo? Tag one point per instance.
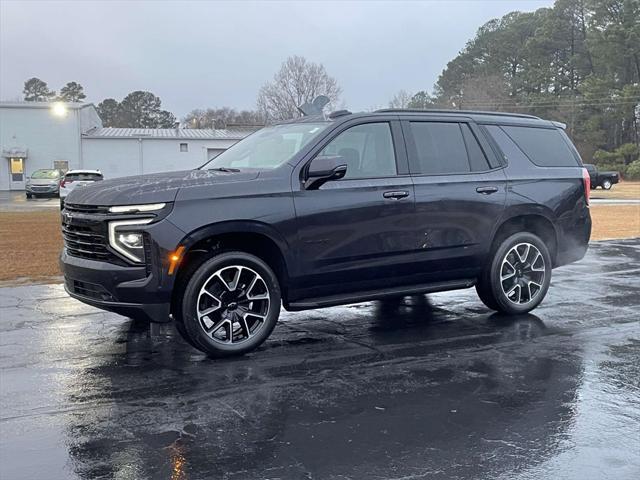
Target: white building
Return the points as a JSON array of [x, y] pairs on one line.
[[36, 135]]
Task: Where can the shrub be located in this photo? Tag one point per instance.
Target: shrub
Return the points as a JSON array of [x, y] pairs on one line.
[[633, 171]]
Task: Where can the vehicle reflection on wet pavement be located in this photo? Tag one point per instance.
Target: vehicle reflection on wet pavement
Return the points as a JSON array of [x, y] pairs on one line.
[[424, 389]]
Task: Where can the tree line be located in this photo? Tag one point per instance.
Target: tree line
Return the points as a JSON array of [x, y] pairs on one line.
[[298, 81]]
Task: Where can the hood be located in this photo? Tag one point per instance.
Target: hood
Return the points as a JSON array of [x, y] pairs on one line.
[[153, 188], [42, 181]]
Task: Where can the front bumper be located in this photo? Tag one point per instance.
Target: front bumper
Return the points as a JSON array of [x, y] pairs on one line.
[[42, 189], [127, 291]]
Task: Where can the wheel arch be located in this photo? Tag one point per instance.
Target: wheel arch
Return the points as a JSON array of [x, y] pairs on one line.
[[536, 223], [253, 237]]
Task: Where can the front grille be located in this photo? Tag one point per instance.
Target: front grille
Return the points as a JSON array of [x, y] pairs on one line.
[[85, 242], [74, 207], [45, 188], [91, 290]]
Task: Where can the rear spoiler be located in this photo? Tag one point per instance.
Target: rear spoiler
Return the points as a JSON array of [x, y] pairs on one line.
[[561, 125]]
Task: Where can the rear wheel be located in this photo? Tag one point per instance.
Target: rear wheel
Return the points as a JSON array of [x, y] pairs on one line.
[[518, 277], [230, 304], [607, 184]]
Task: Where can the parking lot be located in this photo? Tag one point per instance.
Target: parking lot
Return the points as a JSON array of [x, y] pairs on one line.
[[16, 201], [435, 389]]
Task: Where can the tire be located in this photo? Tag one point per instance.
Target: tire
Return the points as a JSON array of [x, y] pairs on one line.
[[607, 184], [484, 292], [61, 203], [517, 278], [29, 196], [241, 294]]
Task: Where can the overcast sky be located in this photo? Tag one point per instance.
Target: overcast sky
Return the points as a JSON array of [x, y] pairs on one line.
[[206, 54]]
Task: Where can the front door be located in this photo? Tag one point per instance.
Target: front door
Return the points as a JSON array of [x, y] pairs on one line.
[[460, 189], [16, 173], [357, 233]]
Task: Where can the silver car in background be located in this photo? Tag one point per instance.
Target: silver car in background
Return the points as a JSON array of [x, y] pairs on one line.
[[77, 178], [43, 182]]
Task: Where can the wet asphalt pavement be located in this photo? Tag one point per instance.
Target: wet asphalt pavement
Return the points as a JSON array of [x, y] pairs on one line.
[[438, 389]]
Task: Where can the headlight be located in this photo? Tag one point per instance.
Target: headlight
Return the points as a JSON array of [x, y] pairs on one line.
[[125, 239], [149, 207]]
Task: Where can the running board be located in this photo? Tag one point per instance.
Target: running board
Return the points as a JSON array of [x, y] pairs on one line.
[[366, 296]]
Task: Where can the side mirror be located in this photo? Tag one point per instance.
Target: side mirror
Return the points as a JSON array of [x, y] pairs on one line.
[[323, 169]]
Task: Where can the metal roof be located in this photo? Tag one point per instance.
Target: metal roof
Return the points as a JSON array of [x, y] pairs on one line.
[[170, 133]]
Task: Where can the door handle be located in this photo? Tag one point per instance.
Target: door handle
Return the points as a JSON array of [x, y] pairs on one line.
[[487, 190], [396, 194]]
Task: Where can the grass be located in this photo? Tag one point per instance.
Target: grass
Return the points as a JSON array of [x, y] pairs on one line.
[[615, 221], [620, 191], [31, 241]]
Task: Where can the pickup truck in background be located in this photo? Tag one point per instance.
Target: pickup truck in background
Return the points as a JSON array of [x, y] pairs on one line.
[[605, 180]]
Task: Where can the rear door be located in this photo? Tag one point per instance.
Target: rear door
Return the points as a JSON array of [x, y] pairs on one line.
[[460, 189], [358, 232]]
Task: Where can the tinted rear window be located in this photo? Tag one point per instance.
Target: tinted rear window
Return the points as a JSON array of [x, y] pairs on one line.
[[83, 177], [477, 160], [544, 146], [440, 148]]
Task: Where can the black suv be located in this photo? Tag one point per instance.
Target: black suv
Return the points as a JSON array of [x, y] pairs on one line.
[[333, 210]]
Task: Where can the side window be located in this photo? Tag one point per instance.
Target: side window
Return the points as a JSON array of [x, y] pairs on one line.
[[544, 146], [477, 159], [440, 148], [508, 146], [367, 150]]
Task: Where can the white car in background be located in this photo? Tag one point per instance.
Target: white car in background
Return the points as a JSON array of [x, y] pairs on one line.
[[77, 178]]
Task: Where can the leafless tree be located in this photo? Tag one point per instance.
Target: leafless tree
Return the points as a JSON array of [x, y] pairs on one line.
[[298, 81], [401, 99]]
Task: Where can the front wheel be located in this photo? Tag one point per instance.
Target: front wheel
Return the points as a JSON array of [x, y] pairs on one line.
[[231, 304], [518, 277], [607, 185]]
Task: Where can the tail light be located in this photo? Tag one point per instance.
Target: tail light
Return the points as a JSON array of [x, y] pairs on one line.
[[64, 181], [586, 179]]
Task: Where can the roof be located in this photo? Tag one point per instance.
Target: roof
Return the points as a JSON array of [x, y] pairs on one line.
[[480, 117], [23, 104], [170, 133], [459, 112]]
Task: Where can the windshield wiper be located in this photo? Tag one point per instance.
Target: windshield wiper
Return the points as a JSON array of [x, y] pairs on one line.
[[225, 169]]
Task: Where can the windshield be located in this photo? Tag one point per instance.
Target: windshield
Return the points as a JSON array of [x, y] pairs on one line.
[[269, 147], [48, 174]]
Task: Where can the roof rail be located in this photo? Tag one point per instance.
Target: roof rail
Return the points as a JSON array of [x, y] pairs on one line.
[[339, 113], [442, 110]]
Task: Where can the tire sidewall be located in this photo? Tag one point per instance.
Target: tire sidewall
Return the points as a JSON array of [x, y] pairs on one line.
[[190, 298], [503, 303]]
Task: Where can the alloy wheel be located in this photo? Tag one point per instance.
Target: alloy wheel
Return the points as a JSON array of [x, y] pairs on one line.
[[522, 273], [233, 304]]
